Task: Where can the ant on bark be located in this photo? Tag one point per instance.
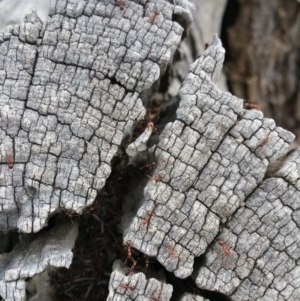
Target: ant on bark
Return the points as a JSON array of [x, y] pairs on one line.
[[148, 165], [152, 127], [223, 246], [248, 105], [69, 215], [126, 286], [10, 161], [155, 179], [153, 17], [266, 139], [129, 251], [121, 4], [170, 250], [134, 263], [147, 218], [147, 261]]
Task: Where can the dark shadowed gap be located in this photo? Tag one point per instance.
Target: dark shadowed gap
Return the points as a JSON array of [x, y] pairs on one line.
[[188, 285], [182, 22], [181, 286], [8, 241], [229, 18]]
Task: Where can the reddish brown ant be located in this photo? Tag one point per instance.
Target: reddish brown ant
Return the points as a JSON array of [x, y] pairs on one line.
[[206, 46], [154, 298], [248, 105], [129, 251], [89, 210], [68, 214], [266, 139], [170, 250], [155, 179], [224, 248], [147, 218], [121, 4], [147, 261], [152, 127], [153, 110], [153, 17], [148, 165], [10, 161], [125, 286], [134, 263]]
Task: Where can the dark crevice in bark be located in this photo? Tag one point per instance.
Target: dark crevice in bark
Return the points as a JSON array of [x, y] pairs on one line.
[[182, 22], [8, 241], [181, 286], [229, 18]]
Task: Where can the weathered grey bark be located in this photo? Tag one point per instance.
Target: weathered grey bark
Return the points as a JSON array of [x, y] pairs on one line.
[[14, 11], [81, 84], [190, 297], [136, 287], [69, 95], [224, 187], [32, 256]]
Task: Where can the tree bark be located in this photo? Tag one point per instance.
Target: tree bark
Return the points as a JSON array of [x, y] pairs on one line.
[[203, 192]]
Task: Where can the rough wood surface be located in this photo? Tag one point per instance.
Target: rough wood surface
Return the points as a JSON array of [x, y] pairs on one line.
[[208, 162], [14, 11], [33, 255], [224, 188], [190, 297], [136, 286], [70, 94]]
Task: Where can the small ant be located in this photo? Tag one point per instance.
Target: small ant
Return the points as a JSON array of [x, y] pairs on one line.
[[206, 46], [266, 139], [224, 248], [170, 249], [10, 161], [147, 218], [89, 210], [155, 179], [148, 165], [155, 298], [129, 251], [121, 4], [147, 261], [248, 105], [122, 285], [152, 127], [68, 214], [134, 263], [153, 17]]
